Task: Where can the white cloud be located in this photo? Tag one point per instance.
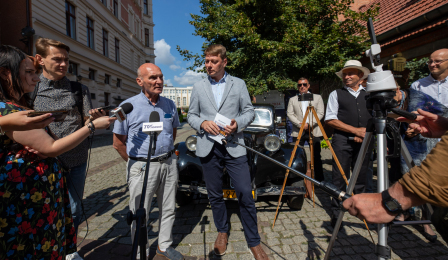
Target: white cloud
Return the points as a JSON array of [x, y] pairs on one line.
[[167, 81], [174, 67], [189, 77], [162, 52]]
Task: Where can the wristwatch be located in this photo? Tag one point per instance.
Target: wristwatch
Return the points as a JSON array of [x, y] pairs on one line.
[[391, 204]]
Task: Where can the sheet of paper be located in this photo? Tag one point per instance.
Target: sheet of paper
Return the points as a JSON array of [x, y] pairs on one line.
[[221, 121]]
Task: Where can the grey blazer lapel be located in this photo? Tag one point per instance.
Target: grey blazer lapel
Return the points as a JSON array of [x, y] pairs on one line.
[[209, 92], [229, 85]]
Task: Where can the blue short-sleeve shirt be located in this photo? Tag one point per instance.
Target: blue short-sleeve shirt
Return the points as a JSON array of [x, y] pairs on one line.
[[137, 142]]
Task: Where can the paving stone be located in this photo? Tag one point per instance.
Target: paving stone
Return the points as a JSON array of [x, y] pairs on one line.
[[300, 234]]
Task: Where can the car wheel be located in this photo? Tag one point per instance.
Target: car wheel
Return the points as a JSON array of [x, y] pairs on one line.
[[296, 202], [183, 198]]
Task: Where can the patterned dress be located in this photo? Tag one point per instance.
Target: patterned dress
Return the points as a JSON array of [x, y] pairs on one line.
[[35, 216]]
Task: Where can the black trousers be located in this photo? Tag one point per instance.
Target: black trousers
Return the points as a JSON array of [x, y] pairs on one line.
[[238, 170], [347, 153], [318, 169]]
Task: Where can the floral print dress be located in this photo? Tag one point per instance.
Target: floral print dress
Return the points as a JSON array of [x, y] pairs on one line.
[[35, 216]]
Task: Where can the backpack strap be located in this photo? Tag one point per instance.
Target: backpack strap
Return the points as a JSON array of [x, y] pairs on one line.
[[33, 94], [76, 89]]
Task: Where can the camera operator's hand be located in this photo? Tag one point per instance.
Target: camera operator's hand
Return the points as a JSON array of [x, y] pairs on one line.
[[360, 132], [19, 121], [210, 127], [358, 139], [305, 127], [103, 122], [428, 124], [368, 206]]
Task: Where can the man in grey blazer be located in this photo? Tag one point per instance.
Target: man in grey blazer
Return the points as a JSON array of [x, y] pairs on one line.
[[296, 112], [228, 96]]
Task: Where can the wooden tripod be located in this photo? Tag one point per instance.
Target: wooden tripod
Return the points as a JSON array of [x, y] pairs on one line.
[[311, 108]]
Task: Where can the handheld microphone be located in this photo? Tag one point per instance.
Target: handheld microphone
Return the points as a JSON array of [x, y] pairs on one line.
[[120, 112]]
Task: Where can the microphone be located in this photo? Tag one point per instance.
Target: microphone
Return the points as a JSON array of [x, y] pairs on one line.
[[120, 112], [153, 128]]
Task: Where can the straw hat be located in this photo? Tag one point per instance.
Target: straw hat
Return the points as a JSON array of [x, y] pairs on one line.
[[354, 64]]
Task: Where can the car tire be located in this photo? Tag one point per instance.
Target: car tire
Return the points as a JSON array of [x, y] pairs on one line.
[[296, 202], [183, 198]]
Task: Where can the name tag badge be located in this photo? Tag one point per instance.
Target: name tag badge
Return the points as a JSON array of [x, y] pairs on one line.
[[168, 115]]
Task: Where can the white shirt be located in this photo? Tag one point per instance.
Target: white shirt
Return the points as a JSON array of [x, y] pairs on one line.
[[333, 105], [436, 89], [304, 108]]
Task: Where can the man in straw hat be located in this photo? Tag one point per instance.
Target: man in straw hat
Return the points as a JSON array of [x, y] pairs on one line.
[[347, 114]]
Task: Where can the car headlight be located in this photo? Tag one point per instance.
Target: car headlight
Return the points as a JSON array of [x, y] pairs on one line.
[[272, 143], [191, 143]]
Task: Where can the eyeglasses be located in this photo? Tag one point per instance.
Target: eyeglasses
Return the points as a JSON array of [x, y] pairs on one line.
[[436, 62], [302, 84]]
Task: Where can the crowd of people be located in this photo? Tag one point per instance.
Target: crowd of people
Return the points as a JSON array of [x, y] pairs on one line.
[[43, 160]]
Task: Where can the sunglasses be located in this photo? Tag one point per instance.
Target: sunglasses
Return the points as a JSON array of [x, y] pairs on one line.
[[302, 84]]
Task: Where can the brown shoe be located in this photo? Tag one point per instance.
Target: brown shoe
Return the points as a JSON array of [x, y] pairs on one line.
[[220, 244], [258, 253]]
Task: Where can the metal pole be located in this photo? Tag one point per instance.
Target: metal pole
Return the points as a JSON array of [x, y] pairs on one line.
[[382, 174]]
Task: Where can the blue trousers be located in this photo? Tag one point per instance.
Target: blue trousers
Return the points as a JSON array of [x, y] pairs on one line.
[[75, 182], [238, 170]]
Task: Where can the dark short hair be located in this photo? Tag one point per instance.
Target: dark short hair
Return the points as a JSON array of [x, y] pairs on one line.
[[10, 59], [216, 50], [303, 78], [43, 44]]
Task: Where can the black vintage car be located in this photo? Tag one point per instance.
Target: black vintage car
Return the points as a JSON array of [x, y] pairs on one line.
[[267, 177]]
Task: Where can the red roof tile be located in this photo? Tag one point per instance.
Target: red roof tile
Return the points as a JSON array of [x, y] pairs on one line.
[[417, 31], [396, 12]]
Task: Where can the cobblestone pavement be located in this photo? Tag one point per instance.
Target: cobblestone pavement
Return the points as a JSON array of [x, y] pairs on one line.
[[297, 234]]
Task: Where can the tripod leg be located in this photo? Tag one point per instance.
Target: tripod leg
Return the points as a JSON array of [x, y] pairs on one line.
[[289, 165], [350, 188], [382, 184]]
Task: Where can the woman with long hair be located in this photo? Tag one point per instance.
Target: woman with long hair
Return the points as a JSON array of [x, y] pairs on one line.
[[35, 215]]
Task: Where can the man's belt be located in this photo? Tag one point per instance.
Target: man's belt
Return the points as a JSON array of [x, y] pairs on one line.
[[159, 159]]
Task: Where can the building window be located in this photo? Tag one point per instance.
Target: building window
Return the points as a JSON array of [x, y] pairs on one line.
[[104, 2], [90, 34], [105, 43], [70, 20], [117, 50], [118, 83], [91, 74], [178, 101], [145, 7], [106, 79], [146, 37], [116, 8], [73, 68], [92, 96], [184, 101]]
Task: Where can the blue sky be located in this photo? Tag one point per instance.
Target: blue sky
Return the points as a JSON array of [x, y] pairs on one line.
[[171, 29]]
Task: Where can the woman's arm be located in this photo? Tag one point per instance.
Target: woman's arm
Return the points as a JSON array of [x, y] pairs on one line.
[[39, 140]]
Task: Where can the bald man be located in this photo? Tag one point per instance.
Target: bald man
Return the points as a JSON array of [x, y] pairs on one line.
[[436, 83], [132, 145]]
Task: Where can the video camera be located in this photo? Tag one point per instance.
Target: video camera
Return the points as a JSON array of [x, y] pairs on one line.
[[305, 97]]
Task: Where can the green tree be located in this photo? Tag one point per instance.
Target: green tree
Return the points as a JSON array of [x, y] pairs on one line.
[[270, 44], [418, 69]]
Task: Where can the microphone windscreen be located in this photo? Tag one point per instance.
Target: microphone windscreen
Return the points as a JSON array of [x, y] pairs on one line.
[[127, 108], [154, 117]]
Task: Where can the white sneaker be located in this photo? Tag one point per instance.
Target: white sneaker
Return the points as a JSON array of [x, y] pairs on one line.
[[74, 256]]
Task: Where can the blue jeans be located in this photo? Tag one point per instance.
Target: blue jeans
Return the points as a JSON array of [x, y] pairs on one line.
[[75, 181]]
